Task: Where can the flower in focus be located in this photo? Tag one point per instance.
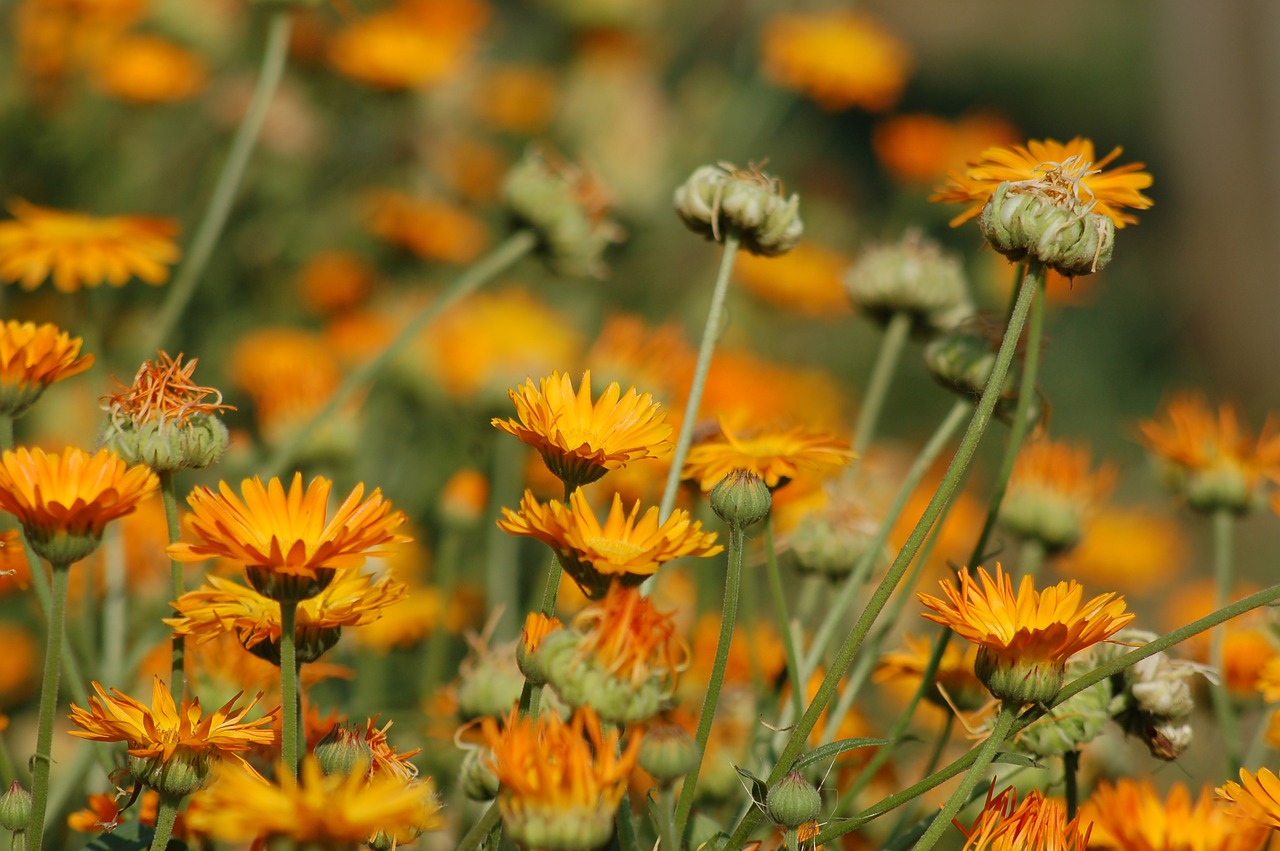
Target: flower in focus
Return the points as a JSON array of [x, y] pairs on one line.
[[31, 358], [1053, 493], [627, 547], [1255, 798], [580, 440], [775, 455], [806, 280], [1212, 461], [838, 58], [64, 502], [80, 250], [288, 548], [433, 230], [561, 781], [1109, 191], [411, 45], [920, 148], [1025, 639], [1130, 816], [1038, 822], [146, 69], [172, 750]]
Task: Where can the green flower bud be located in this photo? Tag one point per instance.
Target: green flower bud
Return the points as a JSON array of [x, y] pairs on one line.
[[962, 360], [15, 808], [479, 783], [913, 276], [741, 499], [793, 801], [342, 749], [1019, 680], [62, 548], [580, 680], [719, 199], [177, 777], [1024, 219], [668, 753], [832, 542], [1073, 723], [193, 442], [1054, 519], [489, 683]]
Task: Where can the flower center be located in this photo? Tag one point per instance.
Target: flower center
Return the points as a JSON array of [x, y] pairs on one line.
[[616, 551]]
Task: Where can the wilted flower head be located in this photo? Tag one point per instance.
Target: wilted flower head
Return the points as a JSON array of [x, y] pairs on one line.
[[718, 200], [913, 276]]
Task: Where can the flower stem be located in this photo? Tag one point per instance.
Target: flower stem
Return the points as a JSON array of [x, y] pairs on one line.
[[179, 295], [728, 617], [48, 701], [166, 815], [1000, 730], [289, 685], [946, 489], [784, 622], [667, 817], [491, 818], [689, 419], [501, 576], [169, 494], [481, 272], [1071, 781], [891, 344], [1224, 577], [1031, 556]]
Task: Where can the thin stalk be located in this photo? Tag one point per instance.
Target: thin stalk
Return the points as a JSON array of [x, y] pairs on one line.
[[1224, 577], [481, 272], [166, 815], [1071, 781], [784, 622], [501, 575], [446, 573], [667, 818], [179, 294], [289, 685], [935, 756], [115, 609], [728, 617], [1031, 556], [710, 333], [177, 669], [487, 822], [48, 702], [530, 694], [946, 489], [1000, 730], [891, 345]]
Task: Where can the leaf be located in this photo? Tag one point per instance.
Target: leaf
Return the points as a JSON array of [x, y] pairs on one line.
[[759, 790], [835, 748], [130, 837]]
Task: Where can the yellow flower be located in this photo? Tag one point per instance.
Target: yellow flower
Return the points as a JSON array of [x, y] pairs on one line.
[[146, 69], [31, 358], [921, 148], [561, 782], [1134, 550], [64, 502], [954, 683], [1053, 493], [315, 810], [838, 58], [1130, 816], [1038, 822], [579, 440], [164, 740], [1024, 640], [287, 372], [776, 456], [1256, 797], [627, 547], [81, 250], [807, 280], [1109, 192], [283, 538]]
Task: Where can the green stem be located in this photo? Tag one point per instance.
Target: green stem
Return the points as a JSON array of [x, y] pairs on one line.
[[1031, 556], [710, 333], [166, 815], [935, 756], [791, 839], [667, 817], [169, 494], [18, 841], [446, 572], [484, 270], [626, 827], [1224, 578], [1071, 781], [1000, 730], [491, 819], [289, 685], [115, 609], [179, 295], [784, 622], [728, 617], [48, 702], [891, 344], [501, 574], [946, 489]]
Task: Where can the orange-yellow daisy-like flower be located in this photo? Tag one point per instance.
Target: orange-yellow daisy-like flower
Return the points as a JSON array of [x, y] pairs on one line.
[[315, 809], [1256, 797], [1025, 639], [1038, 822], [431, 229], [289, 548], [81, 250], [1211, 459], [31, 358], [1053, 492], [165, 740], [412, 45], [580, 440], [628, 547], [561, 781], [774, 455], [1135, 550], [1109, 192], [1130, 816], [64, 502], [838, 58], [954, 683]]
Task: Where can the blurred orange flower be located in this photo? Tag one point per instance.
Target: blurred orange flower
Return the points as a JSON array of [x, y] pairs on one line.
[[146, 69], [776, 456], [431, 229], [806, 280], [335, 282], [411, 45], [838, 58], [1129, 815], [920, 148]]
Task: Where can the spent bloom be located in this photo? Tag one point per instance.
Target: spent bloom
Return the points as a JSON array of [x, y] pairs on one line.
[[722, 199], [80, 250], [1255, 798], [1129, 815], [31, 358]]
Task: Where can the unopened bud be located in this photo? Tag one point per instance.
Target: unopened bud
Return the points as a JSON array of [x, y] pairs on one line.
[[342, 749], [1022, 220], [668, 753], [912, 276], [793, 801], [741, 499], [15, 808]]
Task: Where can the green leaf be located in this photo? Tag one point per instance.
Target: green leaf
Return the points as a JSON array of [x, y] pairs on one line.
[[834, 748], [131, 837]]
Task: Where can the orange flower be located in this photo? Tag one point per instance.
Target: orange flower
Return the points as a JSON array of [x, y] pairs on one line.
[[1130, 816], [517, 99], [15, 570], [409, 46], [580, 440], [627, 547], [283, 539], [163, 390], [1108, 192], [1255, 798], [807, 280], [920, 148], [632, 352], [287, 372], [954, 683], [433, 230], [1134, 550], [31, 358], [776, 456], [146, 69], [838, 58], [80, 250], [1053, 492], [1038, 822], [102, 814], [335, 282]]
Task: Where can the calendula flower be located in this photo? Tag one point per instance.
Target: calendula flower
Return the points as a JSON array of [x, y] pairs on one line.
[[1038, 822], [775, 455], [31, 358], [64, 501], [314, 809], [1130, 815], [561, 781], [1108, 191], [537, 627], [1025, 639], [289, 549], [627, 547], [580, 440], [334, 282], [409, 46], [146, 69], [1255, 798], [838, 58], [288, 373], [431, 229], [1132, 549], [1054, 492], [1212, 460], [954, 682], [82, 250], [171, 749], [921, 148]]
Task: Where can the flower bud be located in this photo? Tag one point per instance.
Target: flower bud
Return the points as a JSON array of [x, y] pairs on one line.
[[741, 499], [1019, 680], [1073, 723], [793, 801], [342, 749], [166, 446], [721, 199], [489, 683], [177, 777], [579, 680], [832, 542], [962, 361], [913, 276], [15, 808], [479, 782], [537, 627], [1041, 220], [668, 753]]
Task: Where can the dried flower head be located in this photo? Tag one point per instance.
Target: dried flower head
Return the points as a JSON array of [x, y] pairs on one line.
[[721, 199]]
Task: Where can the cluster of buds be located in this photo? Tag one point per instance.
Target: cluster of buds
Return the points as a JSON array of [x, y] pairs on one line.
[[912, 276], [721, 199], [1073, 723]]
